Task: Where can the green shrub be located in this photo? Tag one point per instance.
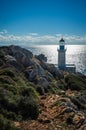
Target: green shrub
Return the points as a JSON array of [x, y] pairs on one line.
[[6, 124], [7, 100], [53, 88], [28, 108], [79, 104], [15, 105], [61, 86], [13, 88], [29, 91], [8, 72], [69, 120], [75, 82], [74, 86], [7, 80], [40, 90], [13, 116], [57, 103], [66, 79]]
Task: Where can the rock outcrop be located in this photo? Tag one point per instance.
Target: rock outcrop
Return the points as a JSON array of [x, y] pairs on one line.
[[28, 82]]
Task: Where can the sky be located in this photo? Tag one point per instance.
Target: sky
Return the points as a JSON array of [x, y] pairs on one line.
[[42, 21]]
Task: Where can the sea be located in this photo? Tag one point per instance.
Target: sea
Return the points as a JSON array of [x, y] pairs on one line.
[[75, 54]]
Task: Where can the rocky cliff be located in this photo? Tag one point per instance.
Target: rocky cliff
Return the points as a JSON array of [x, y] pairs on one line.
[[35, 95]]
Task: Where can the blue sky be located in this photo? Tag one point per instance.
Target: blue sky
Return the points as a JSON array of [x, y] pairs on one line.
[[42, 21]]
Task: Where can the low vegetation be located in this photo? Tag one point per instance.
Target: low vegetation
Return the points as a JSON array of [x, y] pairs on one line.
[[75, 82], [20, 95], [18, 99]]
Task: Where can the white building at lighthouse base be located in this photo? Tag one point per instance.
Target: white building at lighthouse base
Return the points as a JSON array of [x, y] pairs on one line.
[[70, 68]]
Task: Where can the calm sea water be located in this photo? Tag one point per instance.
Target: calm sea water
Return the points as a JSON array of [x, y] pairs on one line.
[[75, 54]]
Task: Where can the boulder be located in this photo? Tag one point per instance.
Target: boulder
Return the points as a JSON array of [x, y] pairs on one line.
[[54, 71], [32, 72], [22, 55], [35, 73], [48, 76], [42, 58], [78, 119], [9, 58], [43, 82], [13, 61], [83, 127], [1, 62], [82, 99]]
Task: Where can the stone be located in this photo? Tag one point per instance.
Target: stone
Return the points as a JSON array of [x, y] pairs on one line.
[[41, 57], [78, 119], [83, 127], [43, 82], [34, 71], [21, 55], [54, 71], [10, 58]]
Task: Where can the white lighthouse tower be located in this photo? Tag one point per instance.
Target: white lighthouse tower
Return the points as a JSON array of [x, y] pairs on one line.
[[62, 55], [62, 58]]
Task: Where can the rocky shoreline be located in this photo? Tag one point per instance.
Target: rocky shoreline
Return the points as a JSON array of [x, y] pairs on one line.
[[35, 95]]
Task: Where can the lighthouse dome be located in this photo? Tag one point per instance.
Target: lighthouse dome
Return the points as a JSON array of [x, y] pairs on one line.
[[62, 40]]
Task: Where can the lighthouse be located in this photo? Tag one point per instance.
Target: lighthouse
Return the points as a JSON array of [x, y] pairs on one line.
[[62, 58], [62, 55]]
